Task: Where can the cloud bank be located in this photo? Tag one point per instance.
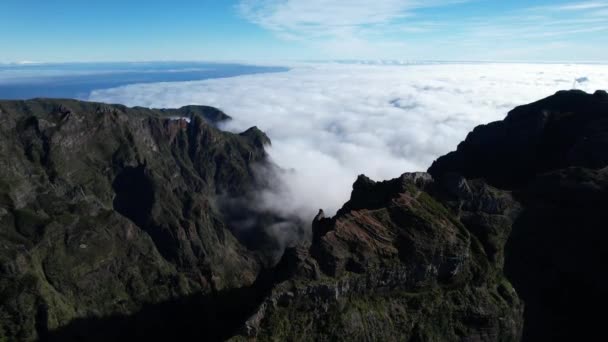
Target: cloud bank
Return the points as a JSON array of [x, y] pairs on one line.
[[330, 122]]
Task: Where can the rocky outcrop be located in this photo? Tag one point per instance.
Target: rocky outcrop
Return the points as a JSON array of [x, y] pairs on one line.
[[553, 156], [405, 259], [119, 223], [104, 208], [433, 257], [567, 129]]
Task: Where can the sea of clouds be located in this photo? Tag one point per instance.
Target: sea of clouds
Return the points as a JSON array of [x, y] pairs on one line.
[[331, 122]]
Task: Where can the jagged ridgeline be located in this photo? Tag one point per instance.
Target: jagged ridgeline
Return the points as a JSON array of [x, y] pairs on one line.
[[104, 208], [126, 224], [501, 240]]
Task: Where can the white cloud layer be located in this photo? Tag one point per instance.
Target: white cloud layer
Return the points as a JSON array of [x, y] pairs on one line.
[[329, 123]]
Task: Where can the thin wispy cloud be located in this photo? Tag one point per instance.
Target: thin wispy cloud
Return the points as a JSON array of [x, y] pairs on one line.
[[570, 31], [322, 18], [570, 6], [434, 30], [278, 30], [578, 6]]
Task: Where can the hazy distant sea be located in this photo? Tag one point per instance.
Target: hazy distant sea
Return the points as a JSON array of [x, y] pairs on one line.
[[77, 80]]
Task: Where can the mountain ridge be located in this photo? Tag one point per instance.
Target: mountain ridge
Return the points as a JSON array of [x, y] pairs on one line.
[[98, 206], [91, 225]]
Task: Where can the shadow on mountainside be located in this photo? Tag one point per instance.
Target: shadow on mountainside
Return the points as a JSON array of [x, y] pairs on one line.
[[553, 155], [556, 252], [213, 317]]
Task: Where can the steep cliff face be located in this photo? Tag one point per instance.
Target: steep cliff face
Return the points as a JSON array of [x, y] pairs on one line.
[[405, 259], [553, 155], [119, 224], [569, 129], [433, 257], [104, 208]]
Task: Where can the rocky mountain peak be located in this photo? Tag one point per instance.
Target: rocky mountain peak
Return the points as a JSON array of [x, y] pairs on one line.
[[566, 129], [118, 223]]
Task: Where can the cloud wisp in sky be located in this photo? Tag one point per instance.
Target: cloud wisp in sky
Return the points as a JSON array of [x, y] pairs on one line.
[[439, 30], [322, 18], [579, 6], [297, 30], [329, 123]]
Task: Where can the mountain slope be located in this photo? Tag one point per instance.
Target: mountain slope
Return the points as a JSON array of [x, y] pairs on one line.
[[104, 208], [113, 226], [428, 257], [397, 263], [553, 155]]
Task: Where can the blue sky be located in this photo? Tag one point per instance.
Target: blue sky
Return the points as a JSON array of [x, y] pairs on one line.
[[279, 30]]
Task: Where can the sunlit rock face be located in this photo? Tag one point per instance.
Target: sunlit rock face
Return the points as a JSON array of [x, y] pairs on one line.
[[501, 240], [401, 260]]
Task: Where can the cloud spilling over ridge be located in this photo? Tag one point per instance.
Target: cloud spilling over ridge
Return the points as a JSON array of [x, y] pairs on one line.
[[329, 123]]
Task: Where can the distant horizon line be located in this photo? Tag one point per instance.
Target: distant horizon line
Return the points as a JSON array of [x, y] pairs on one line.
[[316, 61]]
